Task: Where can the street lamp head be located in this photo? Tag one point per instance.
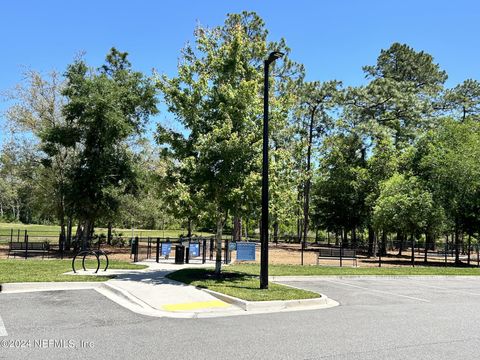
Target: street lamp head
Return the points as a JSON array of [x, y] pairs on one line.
[[274, 55]]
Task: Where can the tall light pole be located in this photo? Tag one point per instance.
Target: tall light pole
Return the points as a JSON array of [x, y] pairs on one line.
[[264, 228]]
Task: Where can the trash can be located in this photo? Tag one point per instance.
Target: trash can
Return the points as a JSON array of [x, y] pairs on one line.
[[179, 254]]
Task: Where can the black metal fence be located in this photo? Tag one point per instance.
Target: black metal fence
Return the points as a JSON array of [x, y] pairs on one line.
[[199, 249]]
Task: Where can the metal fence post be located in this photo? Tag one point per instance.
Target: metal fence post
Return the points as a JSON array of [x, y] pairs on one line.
[[226, 251], [211, 248], [413, 251], [204, 251], [341, 255], [446, 249], [157, 251], [26, 244]]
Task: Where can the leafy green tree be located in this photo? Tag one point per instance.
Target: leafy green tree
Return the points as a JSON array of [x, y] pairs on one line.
[[464, 100], [400, 97], [340, 189], [381, 165], [317, 100], [36, 110], [105, 108], [217, 98], [447, 160], [403, 206]]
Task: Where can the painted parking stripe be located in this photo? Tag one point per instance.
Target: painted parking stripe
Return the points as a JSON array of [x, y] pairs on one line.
[[3, 331], [195, 305], [378, 291], [447, 289]]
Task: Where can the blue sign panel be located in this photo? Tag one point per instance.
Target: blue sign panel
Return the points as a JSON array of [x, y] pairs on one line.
[[194, 249], [245, 251], [232, 246], [166, 248]]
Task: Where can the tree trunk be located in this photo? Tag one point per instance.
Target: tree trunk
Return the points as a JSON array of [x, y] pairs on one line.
[[371, 240], [299, 220], [427, 246], [383, 247], [468, 249], [354, 238], [237, 228], [109, 233], [68, 242], [62, 228], [84, 233], [457, 245], [306, 200], [413, 249], [400, 240], [345, 238], [189, 228], [218, 239], [275, 231]]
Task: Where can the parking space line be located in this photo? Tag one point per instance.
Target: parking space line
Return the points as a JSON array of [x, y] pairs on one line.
[[3, 330], [446, 289], [378, 291]]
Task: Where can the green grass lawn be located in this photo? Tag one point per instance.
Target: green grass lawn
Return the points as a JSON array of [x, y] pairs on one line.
[[239, 285], [20, 270], [54, 230], [284, 270]]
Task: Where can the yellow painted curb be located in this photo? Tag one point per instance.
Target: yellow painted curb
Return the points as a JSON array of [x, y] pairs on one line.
[[195, 305]]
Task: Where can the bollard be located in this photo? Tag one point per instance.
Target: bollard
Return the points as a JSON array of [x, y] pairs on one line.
[[226, 251], [135, 249]]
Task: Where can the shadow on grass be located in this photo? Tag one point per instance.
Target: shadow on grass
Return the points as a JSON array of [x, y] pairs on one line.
[[191, 276]]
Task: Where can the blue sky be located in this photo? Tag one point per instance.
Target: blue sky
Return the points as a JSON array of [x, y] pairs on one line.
[[334, 39]]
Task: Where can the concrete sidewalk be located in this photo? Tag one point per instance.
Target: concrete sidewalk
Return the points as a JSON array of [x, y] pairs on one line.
[[149, 292]]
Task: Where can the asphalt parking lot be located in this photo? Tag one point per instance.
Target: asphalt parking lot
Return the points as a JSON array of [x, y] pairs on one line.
[[378, 318]]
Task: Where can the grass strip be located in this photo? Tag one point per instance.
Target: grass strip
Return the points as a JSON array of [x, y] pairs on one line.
[[291, 270], [30, 270], [240, 285]]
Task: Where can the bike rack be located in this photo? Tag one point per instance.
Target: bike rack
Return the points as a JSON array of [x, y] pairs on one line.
[[85, 253], [100, 253]]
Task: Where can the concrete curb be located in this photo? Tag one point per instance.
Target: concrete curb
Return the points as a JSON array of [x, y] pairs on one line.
[[273, 306], [12, 288], [129, 301]]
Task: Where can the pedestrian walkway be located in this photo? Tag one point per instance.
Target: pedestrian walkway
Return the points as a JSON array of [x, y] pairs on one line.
[[149, 292], [152, 291]]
